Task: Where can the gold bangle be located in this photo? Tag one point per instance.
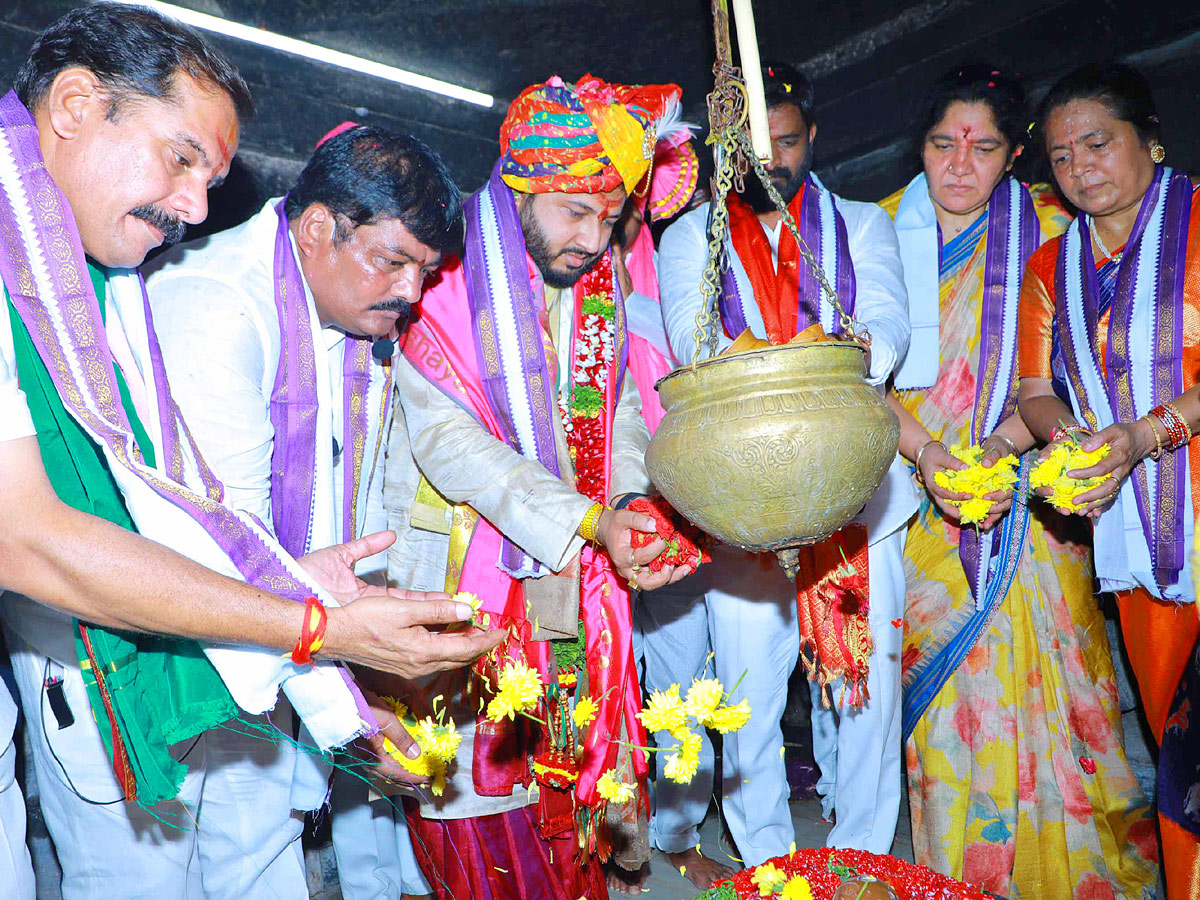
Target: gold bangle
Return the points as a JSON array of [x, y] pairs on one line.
[[1157, 451], [920, 453], [591, 521]]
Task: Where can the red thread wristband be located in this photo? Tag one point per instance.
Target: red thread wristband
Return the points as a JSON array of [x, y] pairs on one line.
[[312, 632]]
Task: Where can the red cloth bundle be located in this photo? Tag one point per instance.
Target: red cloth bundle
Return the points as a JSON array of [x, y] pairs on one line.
[[683, 538]]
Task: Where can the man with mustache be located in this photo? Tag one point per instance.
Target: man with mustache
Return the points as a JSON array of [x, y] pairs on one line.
[[119, 123], [278, 337], [770, 292], [526, 433]]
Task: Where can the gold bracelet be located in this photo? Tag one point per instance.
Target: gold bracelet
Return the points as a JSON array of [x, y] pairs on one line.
[[1157, 451], [920, 453], [591, 521]]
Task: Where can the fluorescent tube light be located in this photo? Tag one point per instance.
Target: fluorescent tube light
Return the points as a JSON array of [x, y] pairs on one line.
[[265, 38]]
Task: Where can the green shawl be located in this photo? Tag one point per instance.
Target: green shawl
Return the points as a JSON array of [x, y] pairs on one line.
[[161, 691]]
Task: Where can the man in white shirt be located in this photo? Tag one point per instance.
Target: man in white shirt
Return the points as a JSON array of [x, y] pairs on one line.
[[752, 605], [120, 122], [314, 276]]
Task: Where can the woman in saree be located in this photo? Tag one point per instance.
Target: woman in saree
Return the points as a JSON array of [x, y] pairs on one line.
[[1017, 775], [1110, 319]]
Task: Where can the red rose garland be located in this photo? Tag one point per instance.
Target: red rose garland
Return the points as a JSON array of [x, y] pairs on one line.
[[591, 380]]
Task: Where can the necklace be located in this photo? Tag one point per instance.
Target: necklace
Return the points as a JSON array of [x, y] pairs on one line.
[[1115, 257]]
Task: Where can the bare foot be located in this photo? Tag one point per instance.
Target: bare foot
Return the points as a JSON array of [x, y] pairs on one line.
[[622, 881], [697, 868]]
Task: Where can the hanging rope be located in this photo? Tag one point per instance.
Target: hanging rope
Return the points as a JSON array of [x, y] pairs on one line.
[[728, 112]]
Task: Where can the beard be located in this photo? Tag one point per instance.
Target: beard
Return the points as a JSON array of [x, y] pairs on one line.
[[786, 181], [172, 227], [538, 247]]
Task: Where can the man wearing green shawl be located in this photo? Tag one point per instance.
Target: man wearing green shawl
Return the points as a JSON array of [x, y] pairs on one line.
[[119, 123]]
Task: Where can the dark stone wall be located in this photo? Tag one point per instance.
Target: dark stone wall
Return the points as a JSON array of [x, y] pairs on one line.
[[871, 61]]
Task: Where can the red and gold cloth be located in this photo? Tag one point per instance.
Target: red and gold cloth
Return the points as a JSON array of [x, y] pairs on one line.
[[501, 857]]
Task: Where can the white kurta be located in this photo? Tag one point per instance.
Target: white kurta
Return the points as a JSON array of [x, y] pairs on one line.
[[217, 321], [99, 843], [752, 606], [16, 872], [214, 310]]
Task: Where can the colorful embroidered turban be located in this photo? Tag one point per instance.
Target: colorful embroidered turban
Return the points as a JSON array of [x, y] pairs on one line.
[[586, 138]]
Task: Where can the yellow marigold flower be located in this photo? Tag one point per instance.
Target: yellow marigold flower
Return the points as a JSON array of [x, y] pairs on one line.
[[730, 718], [585, 710], [614, 791], [426, 765], [768, 878], [472, 600], [682, 765], [396, 706], [703, 698], [974, 510], [437, 740], [664, 711], [1052, 472], [977, 480], [567, 775], [518, 690], [797, 889]]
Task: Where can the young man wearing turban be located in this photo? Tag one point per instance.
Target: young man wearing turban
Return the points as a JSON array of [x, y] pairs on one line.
[[753, 616], [525, 430]]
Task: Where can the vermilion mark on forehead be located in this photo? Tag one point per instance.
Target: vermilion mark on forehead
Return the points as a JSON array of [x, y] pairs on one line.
[[610, 205], [223, 144]]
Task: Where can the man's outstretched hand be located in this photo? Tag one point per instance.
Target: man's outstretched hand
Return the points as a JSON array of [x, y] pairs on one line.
[[333, 567], [397, 631]]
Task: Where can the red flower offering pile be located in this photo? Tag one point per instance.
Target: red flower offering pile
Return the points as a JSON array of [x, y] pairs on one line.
[[826, 870], [683, 538]]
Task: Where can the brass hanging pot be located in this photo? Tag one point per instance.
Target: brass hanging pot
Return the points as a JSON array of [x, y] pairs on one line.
[[772, 448], [769, 449]]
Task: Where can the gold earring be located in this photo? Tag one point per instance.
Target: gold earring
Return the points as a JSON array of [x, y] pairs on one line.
[[1158, 152]]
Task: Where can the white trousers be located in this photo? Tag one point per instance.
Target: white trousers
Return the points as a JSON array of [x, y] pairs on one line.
[[16, 870], [372, 844], [752, 626], [232, 832], [865, 744], [670, 644]]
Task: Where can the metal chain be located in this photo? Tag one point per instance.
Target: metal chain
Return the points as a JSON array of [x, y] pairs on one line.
[[707, 319], [728, 111]]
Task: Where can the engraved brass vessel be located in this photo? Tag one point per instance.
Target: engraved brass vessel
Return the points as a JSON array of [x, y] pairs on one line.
[[773, 448]]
